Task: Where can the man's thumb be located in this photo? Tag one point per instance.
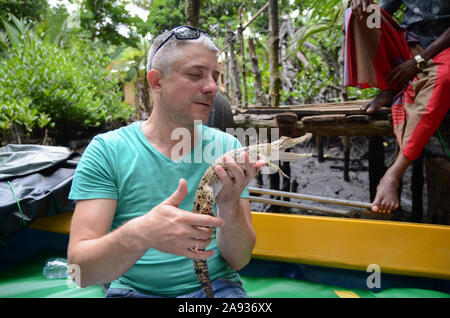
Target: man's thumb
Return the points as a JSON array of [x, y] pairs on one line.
[[179, 194]]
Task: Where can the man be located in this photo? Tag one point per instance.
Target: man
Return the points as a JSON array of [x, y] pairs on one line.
[[426, 76], [129, 226]]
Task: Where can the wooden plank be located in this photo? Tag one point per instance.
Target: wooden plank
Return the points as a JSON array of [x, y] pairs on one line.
[[371, 128], [349, 108]]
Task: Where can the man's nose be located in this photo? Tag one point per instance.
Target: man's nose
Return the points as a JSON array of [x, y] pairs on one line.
[[210, 85]]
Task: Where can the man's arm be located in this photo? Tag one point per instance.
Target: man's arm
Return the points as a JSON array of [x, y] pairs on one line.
[[103, 256], [438, 45], [236, 238], [407, 70]]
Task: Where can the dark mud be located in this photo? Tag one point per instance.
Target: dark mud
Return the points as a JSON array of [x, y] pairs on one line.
[[309, 176]]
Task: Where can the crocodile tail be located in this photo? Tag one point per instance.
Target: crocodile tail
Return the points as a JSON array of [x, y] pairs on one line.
[[201, 270]]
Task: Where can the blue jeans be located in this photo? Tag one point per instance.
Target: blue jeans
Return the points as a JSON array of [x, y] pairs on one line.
[[222, 288]]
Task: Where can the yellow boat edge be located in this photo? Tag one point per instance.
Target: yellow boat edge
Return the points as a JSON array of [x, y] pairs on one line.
[[403, 248]]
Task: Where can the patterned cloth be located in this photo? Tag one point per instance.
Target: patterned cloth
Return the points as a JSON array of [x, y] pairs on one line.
[[371, 53], [426, 18], [423, 106]]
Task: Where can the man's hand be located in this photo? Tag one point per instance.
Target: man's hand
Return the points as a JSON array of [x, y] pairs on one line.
[[237, 237], [359, 7], [230, 194], [172, 230], [403, 73]]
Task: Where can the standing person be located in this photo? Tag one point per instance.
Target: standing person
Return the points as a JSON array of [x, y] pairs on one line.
[[133, 224], [426, 77]]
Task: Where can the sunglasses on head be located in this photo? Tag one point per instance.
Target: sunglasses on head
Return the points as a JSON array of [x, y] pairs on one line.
[[183, 33]]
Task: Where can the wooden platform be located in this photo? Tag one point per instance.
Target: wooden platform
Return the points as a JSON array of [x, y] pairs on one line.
[[347, 108], [328, 119], [342, 119]]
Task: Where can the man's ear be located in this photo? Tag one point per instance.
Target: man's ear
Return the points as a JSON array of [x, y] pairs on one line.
[[153, 78]]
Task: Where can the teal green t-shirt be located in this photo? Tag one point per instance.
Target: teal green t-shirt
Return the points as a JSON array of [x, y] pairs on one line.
[[123, 165]]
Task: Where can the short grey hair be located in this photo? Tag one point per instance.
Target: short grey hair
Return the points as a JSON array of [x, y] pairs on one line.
[[168, 53]]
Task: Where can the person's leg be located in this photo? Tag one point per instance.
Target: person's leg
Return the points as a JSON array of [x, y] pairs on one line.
[[386, 199], [429, 106], [425, 106]]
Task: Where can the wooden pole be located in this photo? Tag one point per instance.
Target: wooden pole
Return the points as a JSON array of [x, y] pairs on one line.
[[376, 164], [274, 42], [260, 95], [256, 15], [240, 33], [308, 197], [234, 73], [417, 182], [280, 203], [346, 142], [192, 12]]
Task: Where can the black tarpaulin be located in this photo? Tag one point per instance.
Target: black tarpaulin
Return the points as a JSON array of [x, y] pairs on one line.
[[34, 182]]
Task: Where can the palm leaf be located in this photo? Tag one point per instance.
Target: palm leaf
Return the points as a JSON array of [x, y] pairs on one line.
[[55, 27], [13, 34]]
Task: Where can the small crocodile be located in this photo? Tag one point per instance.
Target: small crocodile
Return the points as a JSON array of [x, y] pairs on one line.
[[210, 185]]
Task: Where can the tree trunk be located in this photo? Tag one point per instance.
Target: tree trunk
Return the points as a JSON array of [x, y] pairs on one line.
[[226, 76], [240, 34], [142, 98], [341, 57], [192, 12], [288, 72], [274, 40], [235, 77], [260, 95]]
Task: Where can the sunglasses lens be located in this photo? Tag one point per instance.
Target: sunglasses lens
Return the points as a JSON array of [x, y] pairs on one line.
[[184, 33]]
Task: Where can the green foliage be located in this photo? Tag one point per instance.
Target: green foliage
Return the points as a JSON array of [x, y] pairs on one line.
[[165, 15], [27, 10], [104, 17], [18, 113], [43, 85]]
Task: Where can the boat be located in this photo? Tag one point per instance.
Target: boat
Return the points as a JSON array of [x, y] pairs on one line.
[[295, 256]]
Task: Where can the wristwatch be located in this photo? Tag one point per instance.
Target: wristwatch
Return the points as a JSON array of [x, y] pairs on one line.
[[420, 62]]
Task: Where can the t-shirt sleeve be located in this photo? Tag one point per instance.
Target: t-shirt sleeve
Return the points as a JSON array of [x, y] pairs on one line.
[[94, 177]]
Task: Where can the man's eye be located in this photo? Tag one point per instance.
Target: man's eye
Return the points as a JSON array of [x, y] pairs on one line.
[[194, 75]]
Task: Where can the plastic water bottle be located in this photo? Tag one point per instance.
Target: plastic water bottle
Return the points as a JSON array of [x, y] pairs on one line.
[[55, 268]]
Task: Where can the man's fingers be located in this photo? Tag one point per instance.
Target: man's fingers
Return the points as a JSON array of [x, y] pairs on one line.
[[233, 168], [202, 232], [204, 220], [198, 255], [198, 245], [178, 196]]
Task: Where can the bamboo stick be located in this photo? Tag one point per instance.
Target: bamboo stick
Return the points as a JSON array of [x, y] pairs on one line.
[[302, 206], [256, 15], [310, 197]]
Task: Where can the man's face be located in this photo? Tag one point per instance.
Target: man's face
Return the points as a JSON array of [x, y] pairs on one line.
[[189, 90]]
